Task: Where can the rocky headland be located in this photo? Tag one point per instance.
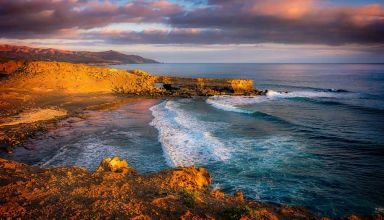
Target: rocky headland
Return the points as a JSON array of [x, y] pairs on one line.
[[81, 78]]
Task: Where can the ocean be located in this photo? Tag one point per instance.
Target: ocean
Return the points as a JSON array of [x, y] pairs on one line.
[[315, 140], [320, 145]]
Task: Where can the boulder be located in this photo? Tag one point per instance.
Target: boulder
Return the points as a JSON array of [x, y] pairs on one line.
[[114, 164]]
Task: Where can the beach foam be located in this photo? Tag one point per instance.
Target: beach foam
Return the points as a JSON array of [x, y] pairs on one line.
[[308, 94], [185, 139], [233, 103]]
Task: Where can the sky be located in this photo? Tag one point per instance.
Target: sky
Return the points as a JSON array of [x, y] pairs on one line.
[[194, 31]]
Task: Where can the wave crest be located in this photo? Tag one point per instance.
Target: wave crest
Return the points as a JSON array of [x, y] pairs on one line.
[[185, 139], [237, 103]]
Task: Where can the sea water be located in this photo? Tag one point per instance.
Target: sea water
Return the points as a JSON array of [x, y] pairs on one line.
[[316, 139]]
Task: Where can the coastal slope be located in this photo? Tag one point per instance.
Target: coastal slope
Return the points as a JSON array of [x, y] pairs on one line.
[[116, 190], [50, 54], [81, 78]]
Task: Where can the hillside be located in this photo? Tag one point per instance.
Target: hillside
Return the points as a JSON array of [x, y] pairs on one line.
[[49, 54], [81, 78]]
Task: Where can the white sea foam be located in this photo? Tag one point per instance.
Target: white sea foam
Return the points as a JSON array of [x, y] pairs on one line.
[[186, 140], [233, 103], [237, 103], [305, 94]]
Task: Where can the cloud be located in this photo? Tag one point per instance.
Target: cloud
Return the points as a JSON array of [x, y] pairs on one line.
[[294, 21], [45, 18], [215, 22]]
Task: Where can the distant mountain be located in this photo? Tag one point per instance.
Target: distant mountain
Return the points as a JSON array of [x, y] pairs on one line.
[[49, 54]]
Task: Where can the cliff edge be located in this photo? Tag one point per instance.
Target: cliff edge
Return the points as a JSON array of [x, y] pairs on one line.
[[115, 190]]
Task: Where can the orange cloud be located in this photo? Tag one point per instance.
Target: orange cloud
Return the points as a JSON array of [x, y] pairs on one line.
[[292, 9], [366, 15]]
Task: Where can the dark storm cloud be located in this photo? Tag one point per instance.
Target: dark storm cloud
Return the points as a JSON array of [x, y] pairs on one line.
[[294, 21], [218, 22]]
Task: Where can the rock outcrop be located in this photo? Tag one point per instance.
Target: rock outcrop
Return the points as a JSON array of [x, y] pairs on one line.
[[80, 78], [32, 193], [114, 164], [207, 86], [29, 192], [190, 178], [76, 78]]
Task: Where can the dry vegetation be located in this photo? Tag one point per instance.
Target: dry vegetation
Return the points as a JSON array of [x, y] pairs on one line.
[[116, 190]]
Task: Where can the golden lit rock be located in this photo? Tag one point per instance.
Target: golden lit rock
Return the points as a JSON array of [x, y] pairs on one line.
[[114, 164]]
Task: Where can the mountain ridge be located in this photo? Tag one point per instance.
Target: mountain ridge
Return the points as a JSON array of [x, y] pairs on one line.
[[8, 51]]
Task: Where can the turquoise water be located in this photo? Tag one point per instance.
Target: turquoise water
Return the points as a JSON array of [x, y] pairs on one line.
[[316, 139]]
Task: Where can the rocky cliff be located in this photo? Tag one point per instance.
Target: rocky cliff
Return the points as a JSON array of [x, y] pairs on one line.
[[117, 191], [81, 78]]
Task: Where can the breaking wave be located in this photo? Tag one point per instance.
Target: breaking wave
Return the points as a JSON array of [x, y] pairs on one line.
[[185, 139], [238, 103]]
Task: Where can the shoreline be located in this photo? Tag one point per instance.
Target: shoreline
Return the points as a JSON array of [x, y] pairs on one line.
[[267, 210], [75, 104]]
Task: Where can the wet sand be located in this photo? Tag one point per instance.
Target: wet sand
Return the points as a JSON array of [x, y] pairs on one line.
[[23, 115]]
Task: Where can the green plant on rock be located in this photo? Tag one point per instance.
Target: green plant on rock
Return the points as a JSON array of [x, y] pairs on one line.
[[189, 198], [235, 213]]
